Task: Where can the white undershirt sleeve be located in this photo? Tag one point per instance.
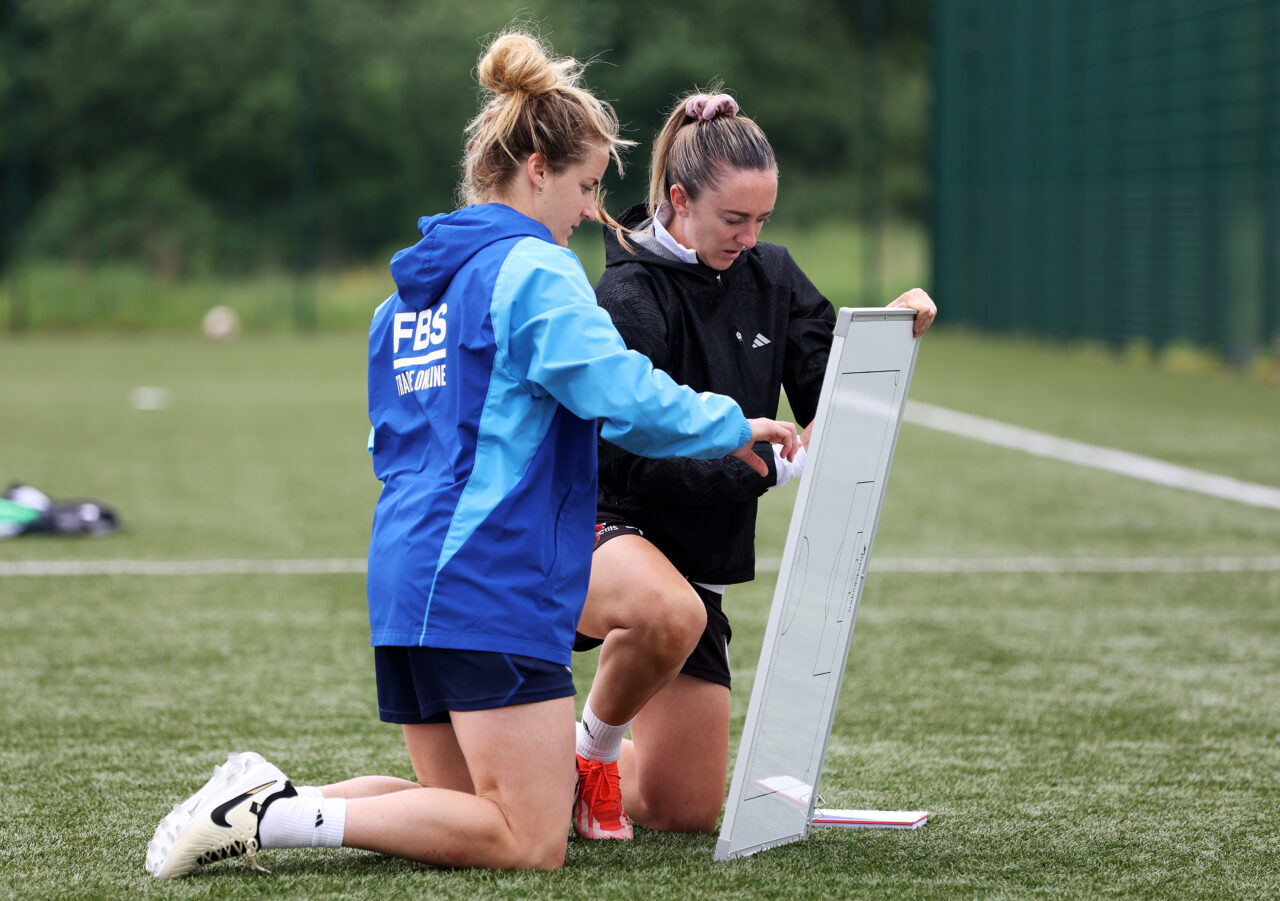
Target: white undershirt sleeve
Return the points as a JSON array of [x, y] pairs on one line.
[[788, 470]]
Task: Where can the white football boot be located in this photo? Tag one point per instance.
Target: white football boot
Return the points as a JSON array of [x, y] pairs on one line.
[[220, 820]]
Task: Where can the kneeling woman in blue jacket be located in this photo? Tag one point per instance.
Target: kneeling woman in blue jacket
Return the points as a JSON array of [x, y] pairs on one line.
[[488, 369]]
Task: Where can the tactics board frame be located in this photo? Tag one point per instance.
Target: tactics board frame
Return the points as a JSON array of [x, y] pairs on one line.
[[864, 391]]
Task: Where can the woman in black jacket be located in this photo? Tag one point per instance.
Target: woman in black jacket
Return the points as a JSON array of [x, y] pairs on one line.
[[690, 286]]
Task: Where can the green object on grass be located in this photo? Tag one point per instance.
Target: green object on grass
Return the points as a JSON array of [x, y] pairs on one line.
[[14, 518]]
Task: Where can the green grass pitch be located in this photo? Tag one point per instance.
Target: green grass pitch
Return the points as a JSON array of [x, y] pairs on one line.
[[1076, 735]]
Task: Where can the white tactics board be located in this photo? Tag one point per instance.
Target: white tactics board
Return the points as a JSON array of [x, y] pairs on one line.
[[806, 643]]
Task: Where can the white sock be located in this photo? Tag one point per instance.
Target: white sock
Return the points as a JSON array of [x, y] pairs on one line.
[[308, 791], [598, 740], [303, 822]]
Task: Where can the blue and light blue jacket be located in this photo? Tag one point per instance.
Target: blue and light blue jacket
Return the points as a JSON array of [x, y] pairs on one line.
[[487, 370]]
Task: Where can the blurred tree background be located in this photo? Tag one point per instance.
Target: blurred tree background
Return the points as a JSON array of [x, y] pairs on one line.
[[197, 138]]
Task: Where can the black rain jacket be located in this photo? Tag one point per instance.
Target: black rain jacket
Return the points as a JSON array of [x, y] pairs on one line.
[[747, 331]]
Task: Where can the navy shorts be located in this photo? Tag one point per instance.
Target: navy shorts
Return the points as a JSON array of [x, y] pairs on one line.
[[421, 685], [709, 659]]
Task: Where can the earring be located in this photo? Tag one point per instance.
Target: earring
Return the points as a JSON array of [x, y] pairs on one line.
[[539, 188]]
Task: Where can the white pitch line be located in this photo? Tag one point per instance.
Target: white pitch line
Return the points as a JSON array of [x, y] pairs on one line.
[[926, 565], [1078, 565], [1135, 466], [944, 565], [182, 567]]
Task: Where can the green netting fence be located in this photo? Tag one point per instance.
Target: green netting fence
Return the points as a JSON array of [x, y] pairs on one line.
[[1110, 170]]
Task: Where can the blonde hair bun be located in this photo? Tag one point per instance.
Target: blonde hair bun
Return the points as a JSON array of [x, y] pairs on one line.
[[535, 105], [516, 63]]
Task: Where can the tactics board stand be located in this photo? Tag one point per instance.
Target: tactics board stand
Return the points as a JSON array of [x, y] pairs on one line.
[[773, 794]]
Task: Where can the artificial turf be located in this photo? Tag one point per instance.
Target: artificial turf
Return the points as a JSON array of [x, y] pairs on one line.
[[1074, 735]]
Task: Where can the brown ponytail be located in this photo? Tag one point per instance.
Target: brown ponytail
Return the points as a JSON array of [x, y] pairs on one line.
[[703, 134]]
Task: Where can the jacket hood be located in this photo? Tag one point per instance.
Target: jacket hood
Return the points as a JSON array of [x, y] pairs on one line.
[[635, 218], [423, 272]]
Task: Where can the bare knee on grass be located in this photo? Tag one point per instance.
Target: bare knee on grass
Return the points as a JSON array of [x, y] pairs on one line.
[[674, 775], [459, 829], [675, 813], [520, 760], [526, 843], [544, 853], [686, 822]]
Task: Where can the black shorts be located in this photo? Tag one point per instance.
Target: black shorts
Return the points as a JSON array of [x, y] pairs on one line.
[[709, 659], [421, 685]]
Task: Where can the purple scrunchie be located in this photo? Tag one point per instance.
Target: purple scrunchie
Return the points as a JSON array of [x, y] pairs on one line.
[[707, 108]]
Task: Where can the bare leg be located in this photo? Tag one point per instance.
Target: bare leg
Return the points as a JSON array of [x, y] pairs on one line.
[[367, 787], [437, 761], [650, 619], [520, 760], [673, 775]]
